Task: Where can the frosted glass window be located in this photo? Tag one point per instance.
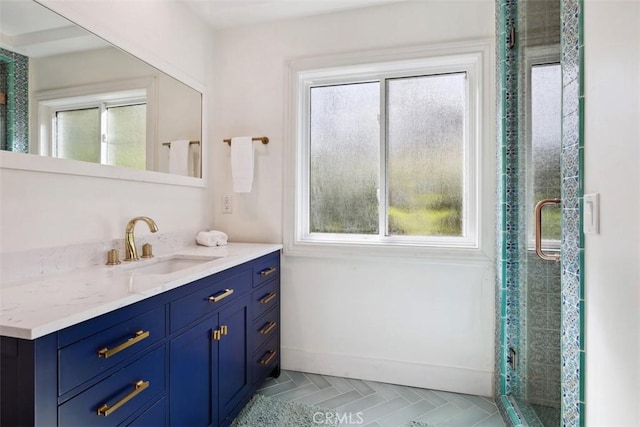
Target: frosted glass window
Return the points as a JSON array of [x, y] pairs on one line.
[[102, 133], [386, 156], [546, 120], [78, 135], [424, 148], [126, 136], [425, 138], [344, 159]]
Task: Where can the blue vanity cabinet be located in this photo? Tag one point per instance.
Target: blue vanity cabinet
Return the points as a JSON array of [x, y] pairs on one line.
[[190, 356], [265, 326], [233, 362], [209, 371]]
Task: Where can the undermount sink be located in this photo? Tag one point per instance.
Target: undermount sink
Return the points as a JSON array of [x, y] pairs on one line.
[[168, 265]]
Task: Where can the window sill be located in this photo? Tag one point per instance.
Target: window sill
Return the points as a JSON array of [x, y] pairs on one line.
[[399, 251]]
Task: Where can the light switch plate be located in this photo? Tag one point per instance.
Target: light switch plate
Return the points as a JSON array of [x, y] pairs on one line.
[[591, 213], [227, 204]]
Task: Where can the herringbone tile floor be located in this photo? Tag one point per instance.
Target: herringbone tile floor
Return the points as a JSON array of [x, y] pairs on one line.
[[383, 405]]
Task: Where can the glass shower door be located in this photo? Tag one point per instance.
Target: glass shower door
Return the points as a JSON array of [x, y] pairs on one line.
[[538, 368], [540, 358], [542, 383]]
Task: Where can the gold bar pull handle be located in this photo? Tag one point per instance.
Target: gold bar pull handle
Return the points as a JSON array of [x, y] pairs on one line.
[[139, 387], [216, 335], [106, 353], [224, 330], [267, 298], [267, 328], [220, 297], [268, 271], [270, 355], [538, 229]]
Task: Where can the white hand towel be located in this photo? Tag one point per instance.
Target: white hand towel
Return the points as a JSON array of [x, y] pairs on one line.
[[195, 165], [211, 238], [242, 164], [179, 157], [220, 237]]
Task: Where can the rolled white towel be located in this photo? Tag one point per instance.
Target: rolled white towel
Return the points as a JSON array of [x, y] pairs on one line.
[[205, 238], [220, 237], [211, 238]]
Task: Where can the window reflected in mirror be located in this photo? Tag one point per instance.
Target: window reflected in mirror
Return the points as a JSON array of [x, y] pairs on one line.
[[69, 94]]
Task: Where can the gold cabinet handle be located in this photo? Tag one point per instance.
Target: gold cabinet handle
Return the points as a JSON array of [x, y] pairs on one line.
[[223, 295], [268, 271], [267, 298], [538, 229], [267, 328], [139, 387], [224, 330], [216, 335], [106, 353], [269, 358]]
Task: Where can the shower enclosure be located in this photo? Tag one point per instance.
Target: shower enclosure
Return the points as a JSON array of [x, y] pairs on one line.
[[539, 360]]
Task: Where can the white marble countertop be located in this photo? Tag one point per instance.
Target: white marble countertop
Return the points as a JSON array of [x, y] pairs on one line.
[[36, 307]]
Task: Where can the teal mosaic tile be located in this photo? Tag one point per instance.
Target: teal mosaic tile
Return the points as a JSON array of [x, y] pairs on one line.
[[570, 98], [573, 308], [16, 137]]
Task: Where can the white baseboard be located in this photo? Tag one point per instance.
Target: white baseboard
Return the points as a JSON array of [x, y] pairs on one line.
[[458, 380]]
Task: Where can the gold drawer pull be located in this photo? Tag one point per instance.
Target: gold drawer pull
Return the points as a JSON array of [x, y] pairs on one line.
[[224, 330], [222, 296], [139, 387], [267, 298], [268, 271], [269, 358], [106, 353], [267, 328]]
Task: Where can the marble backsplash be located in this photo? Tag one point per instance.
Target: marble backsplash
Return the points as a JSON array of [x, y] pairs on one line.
[[19, 266]]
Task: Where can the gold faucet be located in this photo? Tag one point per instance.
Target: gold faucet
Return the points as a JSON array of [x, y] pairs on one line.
[[130, 253]]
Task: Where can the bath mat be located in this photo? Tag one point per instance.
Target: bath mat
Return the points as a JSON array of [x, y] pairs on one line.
[[266, 411]]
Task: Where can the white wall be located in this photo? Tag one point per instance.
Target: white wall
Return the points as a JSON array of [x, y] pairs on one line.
[[41, 210], [428, 324], [612, 168]]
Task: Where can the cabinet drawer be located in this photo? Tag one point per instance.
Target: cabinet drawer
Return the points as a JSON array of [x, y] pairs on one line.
[[265, 297], [119, 396], [265, 360], [152, 417], [208, 300], [93, 355], [266, 268], [267, 327]]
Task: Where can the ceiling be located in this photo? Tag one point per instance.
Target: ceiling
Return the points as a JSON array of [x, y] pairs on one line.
[[232, 13], [32, 30]]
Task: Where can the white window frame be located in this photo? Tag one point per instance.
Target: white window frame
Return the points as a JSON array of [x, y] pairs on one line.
[[101, 95], [102, 105], [474, 58]]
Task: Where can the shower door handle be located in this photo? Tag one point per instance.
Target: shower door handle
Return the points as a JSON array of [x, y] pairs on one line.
[[538, 238]]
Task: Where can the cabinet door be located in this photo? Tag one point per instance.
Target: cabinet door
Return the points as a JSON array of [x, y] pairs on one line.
[[191, 376], [234, 376]]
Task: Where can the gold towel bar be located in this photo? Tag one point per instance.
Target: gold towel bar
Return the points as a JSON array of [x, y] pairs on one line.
[[262, 139], [168, 144]]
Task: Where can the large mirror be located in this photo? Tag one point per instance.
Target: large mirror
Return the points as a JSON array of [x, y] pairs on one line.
[[66, 93]]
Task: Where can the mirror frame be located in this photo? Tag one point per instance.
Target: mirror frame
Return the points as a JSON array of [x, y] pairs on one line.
[[38, 163]]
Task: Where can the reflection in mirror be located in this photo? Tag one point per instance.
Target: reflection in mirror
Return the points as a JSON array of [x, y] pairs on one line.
[[66, 93]]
